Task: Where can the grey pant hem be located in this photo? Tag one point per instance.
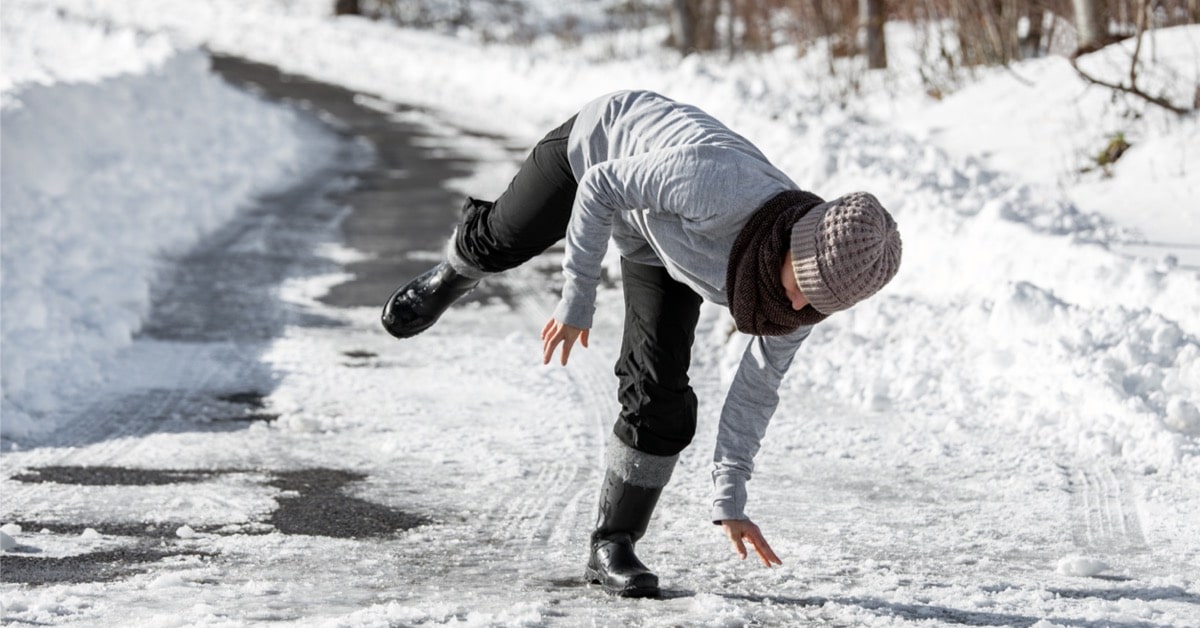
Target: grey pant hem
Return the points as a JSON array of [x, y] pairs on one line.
[[638, 468]]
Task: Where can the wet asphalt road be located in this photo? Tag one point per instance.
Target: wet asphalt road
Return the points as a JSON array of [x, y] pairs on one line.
[[400, 202]]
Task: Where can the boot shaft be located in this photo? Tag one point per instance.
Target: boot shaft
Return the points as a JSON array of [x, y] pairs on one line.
[[625, 509]]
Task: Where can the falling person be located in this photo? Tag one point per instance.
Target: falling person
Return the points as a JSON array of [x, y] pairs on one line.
[[697, 213]]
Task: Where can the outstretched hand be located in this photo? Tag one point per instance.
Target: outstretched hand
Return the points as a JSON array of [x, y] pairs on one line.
[[555, 333], [741, 530]]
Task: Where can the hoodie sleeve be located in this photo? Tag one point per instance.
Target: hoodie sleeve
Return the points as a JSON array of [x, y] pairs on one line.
[[751, 401], [697, 182]]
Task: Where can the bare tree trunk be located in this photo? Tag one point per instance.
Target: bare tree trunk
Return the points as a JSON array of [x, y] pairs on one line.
[[683, 26], [730, 33], [346, 7], [694, 25], [971, 40], [872, 14], [756, 25], [837, 28], [1089, 21], [827, 29], [705, 13], [1008, 22], [1031, 44]]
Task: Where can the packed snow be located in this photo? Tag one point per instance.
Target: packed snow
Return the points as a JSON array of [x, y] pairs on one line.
[[1042, 337]]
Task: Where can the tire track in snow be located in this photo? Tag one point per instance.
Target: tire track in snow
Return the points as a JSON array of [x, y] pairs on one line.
[[512, 523], [528, 529], [1108, 520], [557, 505], [106, 431]]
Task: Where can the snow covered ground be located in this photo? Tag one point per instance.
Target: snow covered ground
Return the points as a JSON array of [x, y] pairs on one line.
[[1023, 448]]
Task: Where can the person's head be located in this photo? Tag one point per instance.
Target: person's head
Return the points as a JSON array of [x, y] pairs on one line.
[[842, 251]]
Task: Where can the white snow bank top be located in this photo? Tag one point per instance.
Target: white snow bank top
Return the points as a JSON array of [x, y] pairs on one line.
[[38, 47], [102, 176], [1167, 63], [1041, 120]]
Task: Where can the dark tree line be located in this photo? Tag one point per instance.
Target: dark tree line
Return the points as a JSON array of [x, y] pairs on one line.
[[983, 31], [988, 31]]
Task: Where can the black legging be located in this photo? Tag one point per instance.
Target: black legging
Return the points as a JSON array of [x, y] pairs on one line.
[[658, 406], [529, 217]]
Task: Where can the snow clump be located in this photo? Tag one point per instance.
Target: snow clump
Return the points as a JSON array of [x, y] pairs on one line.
[[1081, 566]]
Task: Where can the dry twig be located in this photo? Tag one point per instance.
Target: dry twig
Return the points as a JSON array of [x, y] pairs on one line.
[[1132, 88]]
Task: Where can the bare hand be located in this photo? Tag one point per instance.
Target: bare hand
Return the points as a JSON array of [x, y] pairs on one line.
[[740, 530], [554, 333]]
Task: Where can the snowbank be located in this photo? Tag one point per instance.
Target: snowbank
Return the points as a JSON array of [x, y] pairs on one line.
[[118, 149], [1041, 120]]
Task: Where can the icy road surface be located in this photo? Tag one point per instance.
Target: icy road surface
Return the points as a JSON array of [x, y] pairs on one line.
[[271, 456]]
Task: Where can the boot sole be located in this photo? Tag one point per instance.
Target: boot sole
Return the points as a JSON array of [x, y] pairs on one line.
[[406, 331], [591, 576]]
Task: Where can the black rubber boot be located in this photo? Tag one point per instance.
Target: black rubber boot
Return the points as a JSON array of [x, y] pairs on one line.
[[624, 514], [417, 305]]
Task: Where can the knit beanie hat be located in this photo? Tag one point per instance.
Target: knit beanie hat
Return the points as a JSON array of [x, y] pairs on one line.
[[844, 251]]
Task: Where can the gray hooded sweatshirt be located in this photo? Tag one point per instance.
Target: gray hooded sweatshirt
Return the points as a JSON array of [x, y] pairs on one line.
[[671, 186]]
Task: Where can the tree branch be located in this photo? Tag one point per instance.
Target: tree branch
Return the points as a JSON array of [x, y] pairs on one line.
[[1132, 88]]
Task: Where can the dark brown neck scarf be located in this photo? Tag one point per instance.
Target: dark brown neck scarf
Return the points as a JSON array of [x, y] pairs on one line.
[[752, 281]]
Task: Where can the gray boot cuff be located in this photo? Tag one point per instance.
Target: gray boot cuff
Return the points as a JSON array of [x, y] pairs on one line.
[[637, 468], [460, 265]]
